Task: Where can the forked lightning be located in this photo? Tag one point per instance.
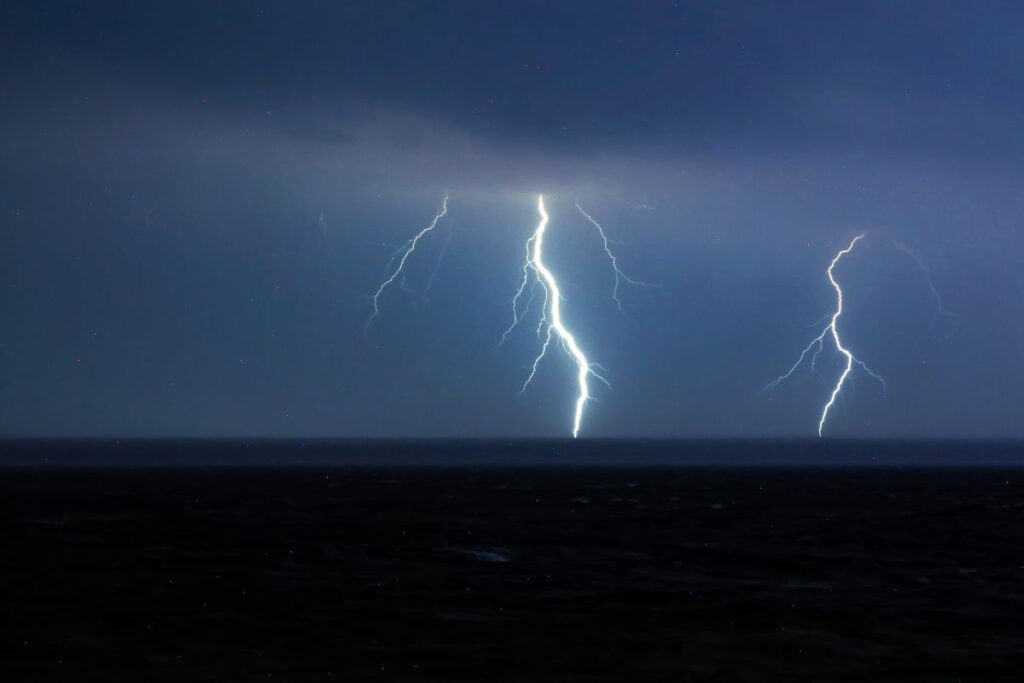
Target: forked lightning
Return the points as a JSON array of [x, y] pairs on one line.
[[619, 275], [551, 323], [818, 343], [402, 255]]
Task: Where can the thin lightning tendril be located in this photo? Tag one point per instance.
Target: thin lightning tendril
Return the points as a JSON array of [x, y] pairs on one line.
[[619, 275], [817, 344], [551, 323], [440, 259], [927, 273], [405, 250], [940, 310], [516, 313]]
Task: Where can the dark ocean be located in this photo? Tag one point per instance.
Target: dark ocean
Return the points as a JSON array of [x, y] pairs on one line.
[[583, 566]]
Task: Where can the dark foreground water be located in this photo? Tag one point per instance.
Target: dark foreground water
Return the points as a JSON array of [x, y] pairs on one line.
[[512, 575]]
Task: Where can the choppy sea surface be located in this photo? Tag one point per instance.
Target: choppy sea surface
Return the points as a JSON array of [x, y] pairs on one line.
[[512, 574]]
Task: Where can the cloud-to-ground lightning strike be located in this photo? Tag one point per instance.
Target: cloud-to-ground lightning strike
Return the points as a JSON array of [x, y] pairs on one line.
[[619, 275], [405, 251], [818, 343], [552, 316]]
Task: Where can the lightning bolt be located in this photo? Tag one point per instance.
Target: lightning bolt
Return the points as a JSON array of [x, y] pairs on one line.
[[619, 275], [818, 343], [551, 324], [402, 255]]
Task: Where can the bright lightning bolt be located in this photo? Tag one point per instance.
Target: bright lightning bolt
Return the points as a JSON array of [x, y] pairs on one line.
[[551, 324], [405, 251], [818, 343], [619, 275]]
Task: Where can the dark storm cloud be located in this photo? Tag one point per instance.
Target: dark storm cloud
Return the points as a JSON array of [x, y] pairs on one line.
[[573, 75], [166, 167], [527, 93]]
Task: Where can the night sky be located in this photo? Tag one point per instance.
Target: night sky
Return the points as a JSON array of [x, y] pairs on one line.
[[198, 200]]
